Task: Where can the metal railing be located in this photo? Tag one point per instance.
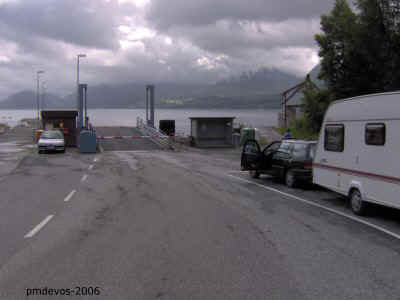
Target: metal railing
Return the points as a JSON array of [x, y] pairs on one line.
[[156, 135]]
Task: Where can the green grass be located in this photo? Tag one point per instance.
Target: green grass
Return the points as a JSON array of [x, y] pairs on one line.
[[263, 141], [300, 130]]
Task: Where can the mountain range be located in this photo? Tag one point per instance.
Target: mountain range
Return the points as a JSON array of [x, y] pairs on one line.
[[254, 89]]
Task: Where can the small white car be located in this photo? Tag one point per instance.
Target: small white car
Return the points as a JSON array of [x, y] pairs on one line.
[[51, 140]]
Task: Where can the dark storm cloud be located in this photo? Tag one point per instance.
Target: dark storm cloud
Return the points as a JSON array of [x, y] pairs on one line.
[[86, 23], [238, 37], [171, 13], [165, 40], [237, 27]]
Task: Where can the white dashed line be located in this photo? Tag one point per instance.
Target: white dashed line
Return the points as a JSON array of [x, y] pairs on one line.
[[353, 218], [84, 178], [90, 167], [70, 195], [38, 227]]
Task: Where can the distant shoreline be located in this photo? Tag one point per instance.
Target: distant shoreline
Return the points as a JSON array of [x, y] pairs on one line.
[[136, 108]]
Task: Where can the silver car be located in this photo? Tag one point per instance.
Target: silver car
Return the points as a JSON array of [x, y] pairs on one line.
[[51, 140]]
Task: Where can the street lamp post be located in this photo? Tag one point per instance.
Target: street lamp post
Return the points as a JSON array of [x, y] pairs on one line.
[[77, 68], [77, 81], [37, 95], [42, 102]]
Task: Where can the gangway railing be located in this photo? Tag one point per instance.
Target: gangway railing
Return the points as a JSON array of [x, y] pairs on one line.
[[158, 136]]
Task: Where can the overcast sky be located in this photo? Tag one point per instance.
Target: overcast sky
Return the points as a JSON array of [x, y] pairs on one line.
[[153, 40]]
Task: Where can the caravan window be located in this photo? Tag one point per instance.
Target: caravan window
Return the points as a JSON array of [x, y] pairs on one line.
[[375, 134], [334, 138]]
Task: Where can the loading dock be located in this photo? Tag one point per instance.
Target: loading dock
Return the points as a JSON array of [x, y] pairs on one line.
[[64, 120]]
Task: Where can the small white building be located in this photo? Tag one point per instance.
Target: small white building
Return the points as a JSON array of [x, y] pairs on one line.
[[207, 132]]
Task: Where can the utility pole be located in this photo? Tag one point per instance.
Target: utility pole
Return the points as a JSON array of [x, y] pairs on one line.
[[38, 96], [77, 83], [43, 103]]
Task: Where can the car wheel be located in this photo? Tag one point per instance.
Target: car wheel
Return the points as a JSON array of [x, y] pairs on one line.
[[358, 205], [290, 179], [254, 174]]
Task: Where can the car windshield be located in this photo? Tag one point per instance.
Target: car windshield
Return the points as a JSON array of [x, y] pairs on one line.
[[303, 151], [52, 135], [284, 147]]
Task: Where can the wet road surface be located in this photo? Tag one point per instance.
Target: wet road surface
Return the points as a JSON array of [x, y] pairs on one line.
[[184, 225]]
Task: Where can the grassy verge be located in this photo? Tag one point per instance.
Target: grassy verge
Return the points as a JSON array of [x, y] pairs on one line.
[[263, 141], [300, 130]]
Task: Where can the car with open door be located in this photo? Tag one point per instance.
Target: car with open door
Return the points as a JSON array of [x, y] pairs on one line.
[[290, 160]]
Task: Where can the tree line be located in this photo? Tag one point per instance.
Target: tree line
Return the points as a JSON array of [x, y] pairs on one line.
[[359, 49]]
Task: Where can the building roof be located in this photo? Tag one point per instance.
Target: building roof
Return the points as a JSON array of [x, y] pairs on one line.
[[52, 114], [313, 77], [212, 118]]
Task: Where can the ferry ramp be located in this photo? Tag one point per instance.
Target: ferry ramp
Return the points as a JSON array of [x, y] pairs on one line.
[[124, 139]]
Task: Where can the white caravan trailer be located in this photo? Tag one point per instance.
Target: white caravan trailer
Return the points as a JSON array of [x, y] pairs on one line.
[[358, 153]]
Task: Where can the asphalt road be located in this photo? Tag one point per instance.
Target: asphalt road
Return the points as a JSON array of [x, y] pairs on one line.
[[183, 225]]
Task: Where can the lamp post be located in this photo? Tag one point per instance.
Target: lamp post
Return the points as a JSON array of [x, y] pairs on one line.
[[37, 95], [77, 80], [42, 102], [77, 68]]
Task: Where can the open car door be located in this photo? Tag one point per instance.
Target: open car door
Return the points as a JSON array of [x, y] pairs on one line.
[[251, 156]]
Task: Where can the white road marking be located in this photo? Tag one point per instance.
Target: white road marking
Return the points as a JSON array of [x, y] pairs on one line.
[[84, 178], [90, 167], [70, 195], [38, 227], [95, 159], [351, 217]]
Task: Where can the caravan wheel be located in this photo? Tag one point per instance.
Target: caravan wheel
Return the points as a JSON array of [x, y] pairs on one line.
[[358, 205]]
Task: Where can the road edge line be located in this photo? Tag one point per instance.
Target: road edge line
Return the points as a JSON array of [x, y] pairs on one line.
[[331, 210]]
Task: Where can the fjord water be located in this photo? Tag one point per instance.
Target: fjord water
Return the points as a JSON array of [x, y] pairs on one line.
[[127, 117]]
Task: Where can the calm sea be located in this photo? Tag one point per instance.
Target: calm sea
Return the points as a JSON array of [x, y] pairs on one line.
[[127, 117]]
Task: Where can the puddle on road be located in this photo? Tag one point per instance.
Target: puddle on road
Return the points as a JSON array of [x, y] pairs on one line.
[[10, 147], [30, 146]]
